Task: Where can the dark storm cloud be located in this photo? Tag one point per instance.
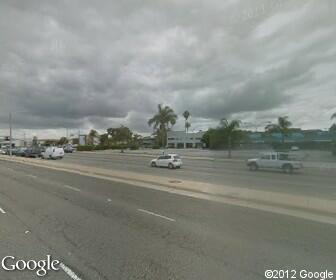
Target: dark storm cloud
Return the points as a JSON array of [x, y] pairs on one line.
[[104, 63]]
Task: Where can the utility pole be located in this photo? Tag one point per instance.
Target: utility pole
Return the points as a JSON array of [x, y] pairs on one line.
[[10, 134]]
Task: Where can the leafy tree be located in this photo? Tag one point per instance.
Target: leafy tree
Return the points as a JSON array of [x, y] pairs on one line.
[[92, 135], [120, 135], [103, 139], [333, 128], [283, 126], [162, 121], [63, 141], [51, 142], [186, 116], [207, 136], [333, 116], [224, 136], [135, 142]]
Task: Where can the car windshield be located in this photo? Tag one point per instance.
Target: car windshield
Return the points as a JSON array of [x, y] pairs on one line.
[[168, 139]]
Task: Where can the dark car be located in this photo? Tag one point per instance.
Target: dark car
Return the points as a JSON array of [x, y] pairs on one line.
[[34, 152], [20, 152]]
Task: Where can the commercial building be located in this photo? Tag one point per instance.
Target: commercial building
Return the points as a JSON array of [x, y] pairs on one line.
[[5, 142], [293, 136], [181, 139], [148, 142]]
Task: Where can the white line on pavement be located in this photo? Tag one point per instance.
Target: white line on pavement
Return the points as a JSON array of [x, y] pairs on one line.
[[69, 272], [71, 188], [2, 211], [157, 215], [31, 176]]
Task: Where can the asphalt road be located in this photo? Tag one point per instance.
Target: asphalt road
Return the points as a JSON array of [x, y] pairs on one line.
[[317, 182], [105, 230]]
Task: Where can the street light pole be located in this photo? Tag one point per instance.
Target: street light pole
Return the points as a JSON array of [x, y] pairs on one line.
[[10, 134]]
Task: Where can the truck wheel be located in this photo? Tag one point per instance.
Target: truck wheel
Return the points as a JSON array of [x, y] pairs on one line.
[[287, 168], [254, 167]]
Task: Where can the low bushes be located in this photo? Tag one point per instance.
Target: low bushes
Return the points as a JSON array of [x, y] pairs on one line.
[[89, 148]]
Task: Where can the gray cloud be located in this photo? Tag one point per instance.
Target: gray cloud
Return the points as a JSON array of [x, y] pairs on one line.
[[80, 64]]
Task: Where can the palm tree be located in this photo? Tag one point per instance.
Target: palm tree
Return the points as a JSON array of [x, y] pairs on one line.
[[282, 126], [187, 126], [162, 121], [186, 116], [229, 127]]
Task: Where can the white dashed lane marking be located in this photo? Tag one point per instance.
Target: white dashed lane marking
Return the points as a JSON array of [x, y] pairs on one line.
[[69, 272], [156, 215], [32, 176], [2, 211], [71, 188]]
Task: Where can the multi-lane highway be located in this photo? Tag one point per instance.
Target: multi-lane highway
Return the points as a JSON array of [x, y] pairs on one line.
[[106, 230], [313, 181]]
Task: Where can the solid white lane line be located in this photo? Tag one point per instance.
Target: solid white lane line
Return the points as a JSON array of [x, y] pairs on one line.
[[2, 211], [71, 188], [156, 215], [31, 176], [69, 272]]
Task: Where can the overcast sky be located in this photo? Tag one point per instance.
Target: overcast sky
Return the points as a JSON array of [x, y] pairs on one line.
[[98, 64]]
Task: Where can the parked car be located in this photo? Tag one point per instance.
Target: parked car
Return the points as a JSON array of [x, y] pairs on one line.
[[53, 153], [20, 152], [171, 161], [33, 152], [7, 150], [14, 151], [2, 152], [275, 160]]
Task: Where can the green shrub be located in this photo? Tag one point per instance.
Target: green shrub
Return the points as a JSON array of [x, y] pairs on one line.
[[83, 148], [133, 146]]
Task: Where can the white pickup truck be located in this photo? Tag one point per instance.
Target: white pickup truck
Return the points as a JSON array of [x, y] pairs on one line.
[[274, 160]]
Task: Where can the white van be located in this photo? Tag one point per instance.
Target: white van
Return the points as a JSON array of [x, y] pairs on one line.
[[53, 153]]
